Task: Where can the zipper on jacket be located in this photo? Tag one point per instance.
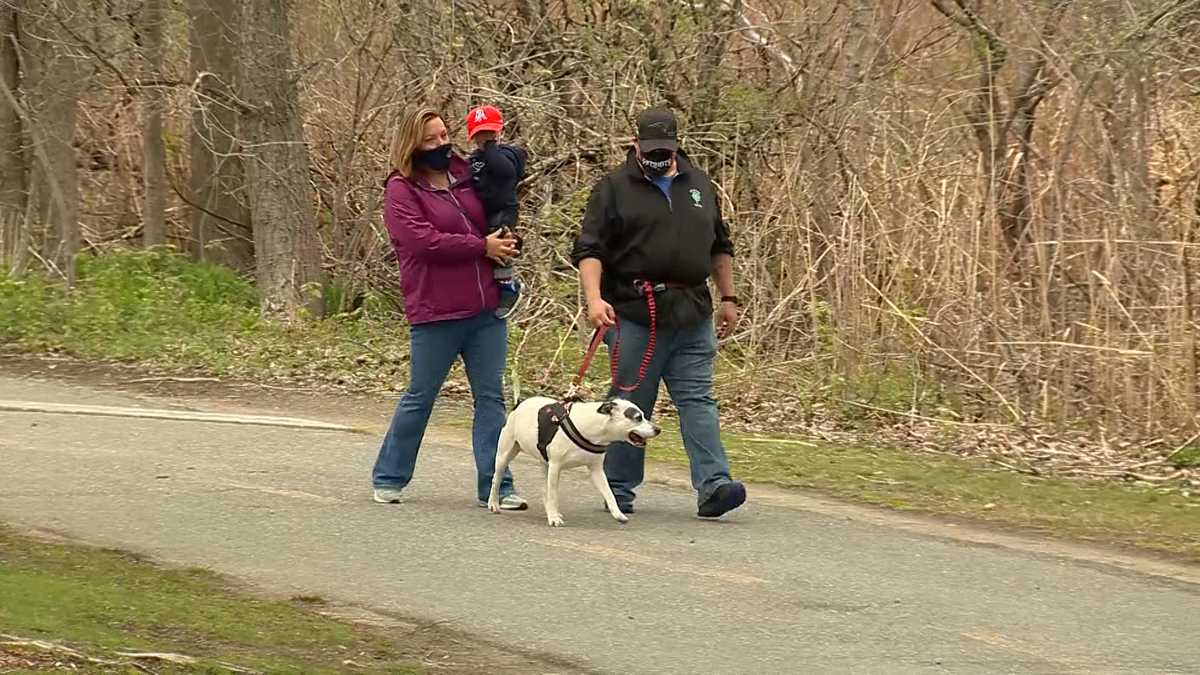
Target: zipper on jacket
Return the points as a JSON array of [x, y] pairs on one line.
[[479, 283], [670, 202], [478, 279]]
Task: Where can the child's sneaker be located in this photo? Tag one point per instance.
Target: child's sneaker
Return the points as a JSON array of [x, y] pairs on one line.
[[510, 293]]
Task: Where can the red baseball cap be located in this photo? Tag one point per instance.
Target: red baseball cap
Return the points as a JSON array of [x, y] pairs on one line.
[[484, 118]]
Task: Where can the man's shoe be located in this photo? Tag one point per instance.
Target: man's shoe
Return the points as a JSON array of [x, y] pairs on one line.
[[386, 496], [727, 497], [508, 503]]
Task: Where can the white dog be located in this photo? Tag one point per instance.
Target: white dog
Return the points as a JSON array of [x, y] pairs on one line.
[[566, 435]]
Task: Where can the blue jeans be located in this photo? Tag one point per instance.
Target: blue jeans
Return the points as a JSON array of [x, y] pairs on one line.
[[482, 341], [683, 358]]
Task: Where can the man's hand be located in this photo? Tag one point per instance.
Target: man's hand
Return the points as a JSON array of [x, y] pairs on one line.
[[600, 313], [501, 246], [727, 318]]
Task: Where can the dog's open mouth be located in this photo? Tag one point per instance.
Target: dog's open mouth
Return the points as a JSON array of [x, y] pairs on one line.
[[636, 440]]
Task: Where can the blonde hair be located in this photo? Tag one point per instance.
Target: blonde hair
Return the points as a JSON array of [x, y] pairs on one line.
[[409, 134]]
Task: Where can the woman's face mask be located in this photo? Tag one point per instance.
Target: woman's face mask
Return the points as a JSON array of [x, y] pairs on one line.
[[437, 159], [657, 163]]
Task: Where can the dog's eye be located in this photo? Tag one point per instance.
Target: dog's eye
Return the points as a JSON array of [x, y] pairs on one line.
[[633, 414]]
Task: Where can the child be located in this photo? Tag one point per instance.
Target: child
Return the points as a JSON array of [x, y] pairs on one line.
[[496, 169]]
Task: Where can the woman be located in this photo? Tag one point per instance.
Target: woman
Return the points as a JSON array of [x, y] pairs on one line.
[[437, 224]]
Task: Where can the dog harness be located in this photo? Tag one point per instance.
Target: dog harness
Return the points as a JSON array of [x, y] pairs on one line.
[[555, 416]]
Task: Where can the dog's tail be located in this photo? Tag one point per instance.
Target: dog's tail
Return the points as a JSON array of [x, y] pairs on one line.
[[507, 437]]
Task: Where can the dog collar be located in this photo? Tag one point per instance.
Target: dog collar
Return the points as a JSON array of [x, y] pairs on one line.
[[555, 416]]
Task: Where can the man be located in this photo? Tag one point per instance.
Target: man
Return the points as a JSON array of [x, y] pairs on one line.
[[654, 227]]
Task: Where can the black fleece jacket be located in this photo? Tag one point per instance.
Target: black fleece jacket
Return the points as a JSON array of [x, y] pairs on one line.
[[496, 169], [638, 234]]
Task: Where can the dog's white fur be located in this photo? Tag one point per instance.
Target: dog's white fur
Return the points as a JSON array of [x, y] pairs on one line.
[[599, 423]]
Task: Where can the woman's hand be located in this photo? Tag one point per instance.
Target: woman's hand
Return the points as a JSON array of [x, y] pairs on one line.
[[501, 246]]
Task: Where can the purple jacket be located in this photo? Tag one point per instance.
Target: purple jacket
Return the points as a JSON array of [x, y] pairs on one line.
[[438, 237]]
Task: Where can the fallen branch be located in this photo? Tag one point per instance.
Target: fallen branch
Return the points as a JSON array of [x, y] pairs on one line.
[[54, 648], [887, 481], [924, 418], [1183, 446], [142, 380], [178, 659]]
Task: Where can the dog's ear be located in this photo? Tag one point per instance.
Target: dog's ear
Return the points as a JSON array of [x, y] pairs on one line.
[[606, 408]]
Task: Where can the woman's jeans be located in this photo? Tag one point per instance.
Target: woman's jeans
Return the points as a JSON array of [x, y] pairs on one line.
[[482, 341]]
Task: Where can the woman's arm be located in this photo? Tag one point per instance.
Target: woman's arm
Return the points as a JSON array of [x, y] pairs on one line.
[[407, 225]]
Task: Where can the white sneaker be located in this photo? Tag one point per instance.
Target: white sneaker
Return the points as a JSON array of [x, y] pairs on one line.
[[509, 503], [386, 496]]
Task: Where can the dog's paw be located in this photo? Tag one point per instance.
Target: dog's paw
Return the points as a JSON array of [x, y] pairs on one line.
[[494, 506], [555, 521], [620, 517]]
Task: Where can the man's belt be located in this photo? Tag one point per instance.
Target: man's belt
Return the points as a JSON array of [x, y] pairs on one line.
[[660, 286]]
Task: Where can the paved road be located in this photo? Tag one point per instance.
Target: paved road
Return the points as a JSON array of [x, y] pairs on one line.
[[773, 589]]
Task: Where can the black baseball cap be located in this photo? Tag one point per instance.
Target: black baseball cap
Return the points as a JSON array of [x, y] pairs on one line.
[[657, 130]]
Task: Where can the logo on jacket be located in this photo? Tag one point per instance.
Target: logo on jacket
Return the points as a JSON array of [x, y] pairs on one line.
[[695, 198]]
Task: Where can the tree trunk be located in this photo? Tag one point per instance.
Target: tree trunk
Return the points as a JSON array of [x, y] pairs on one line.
[[282, 201], [1034, 84], [712, 47], [13, 174], [13, 167], [54, 78], [154, 232], [220, 221]]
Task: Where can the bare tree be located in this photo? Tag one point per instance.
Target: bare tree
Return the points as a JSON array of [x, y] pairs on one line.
[[882, 164], [54, 68], [154, 151], [220, 219], [13, 167], [997, 123], [282, 200], [12, 160]]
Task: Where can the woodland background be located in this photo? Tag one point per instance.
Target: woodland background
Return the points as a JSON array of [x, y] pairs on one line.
[[972, 223]]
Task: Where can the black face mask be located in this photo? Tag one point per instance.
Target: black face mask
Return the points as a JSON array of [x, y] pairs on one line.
[[656, 163], [437, 159]]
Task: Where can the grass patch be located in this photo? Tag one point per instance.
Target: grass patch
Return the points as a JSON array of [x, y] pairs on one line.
[[1101, 512], [163, 309], [101, 602]]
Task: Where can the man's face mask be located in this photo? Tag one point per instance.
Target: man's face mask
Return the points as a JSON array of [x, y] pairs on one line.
[[657, 162]]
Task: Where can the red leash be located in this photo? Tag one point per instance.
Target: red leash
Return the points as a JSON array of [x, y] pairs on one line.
[[647, 290]]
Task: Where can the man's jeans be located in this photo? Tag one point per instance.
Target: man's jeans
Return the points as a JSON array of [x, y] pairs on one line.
[[683, 358], [482, 341]]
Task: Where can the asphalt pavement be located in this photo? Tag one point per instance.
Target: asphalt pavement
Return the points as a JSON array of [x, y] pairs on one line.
[[772, 588]]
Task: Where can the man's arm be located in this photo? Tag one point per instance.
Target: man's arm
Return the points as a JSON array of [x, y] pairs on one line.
[[588, 254], [590, 271], [722, 250], [722, 274]]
